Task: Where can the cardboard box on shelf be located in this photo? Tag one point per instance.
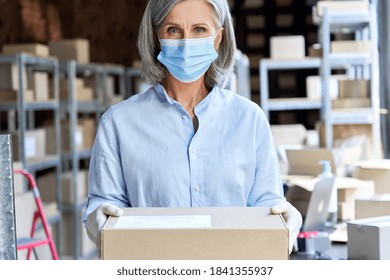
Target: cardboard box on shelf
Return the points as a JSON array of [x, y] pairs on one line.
[[314, 86], [350, 46], [33, 48], [354, 88], [372, 206], [65, 138], [38, 82], [287, 47], [315, 50], [34, 144], [341, 6], [12, 95], [9, 77], [214, 233], [88, 127], [70, 49], [350, 135], [47, 186], [375, 170], [369, 239], [81, 93], [289, 134], [351, 103]]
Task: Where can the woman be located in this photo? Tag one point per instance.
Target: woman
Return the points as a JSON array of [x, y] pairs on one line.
[[185, 142]]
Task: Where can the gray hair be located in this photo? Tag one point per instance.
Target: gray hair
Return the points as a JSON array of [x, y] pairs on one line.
[[149, 47]]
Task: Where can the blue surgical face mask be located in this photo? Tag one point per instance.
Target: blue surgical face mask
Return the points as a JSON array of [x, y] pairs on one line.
[[187, 59]]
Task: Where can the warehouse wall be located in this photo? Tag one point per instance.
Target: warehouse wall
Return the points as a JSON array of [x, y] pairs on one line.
[[111, 26]]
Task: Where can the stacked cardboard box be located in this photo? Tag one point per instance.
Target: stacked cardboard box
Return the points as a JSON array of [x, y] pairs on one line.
[[70, 49], [372, 206], [375, 170], [48, 186], [34, 144]]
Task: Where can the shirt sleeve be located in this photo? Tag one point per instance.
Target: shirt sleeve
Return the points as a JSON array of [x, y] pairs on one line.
[[106, 180], [267, 188]]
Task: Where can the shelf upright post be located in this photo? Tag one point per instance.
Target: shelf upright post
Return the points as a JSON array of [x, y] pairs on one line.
[[325, 73], [264, 94], [20, 60]]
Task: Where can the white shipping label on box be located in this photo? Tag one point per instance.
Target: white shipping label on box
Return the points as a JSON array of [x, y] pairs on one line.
[[190, 221], [79, 138], [30, 147]]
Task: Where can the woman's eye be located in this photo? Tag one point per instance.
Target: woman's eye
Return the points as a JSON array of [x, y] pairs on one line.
[[173, 30], [199, 30]]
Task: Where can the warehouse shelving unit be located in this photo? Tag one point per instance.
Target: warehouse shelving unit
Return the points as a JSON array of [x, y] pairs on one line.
[[72, 109], [355, 65], [25, 120], [363, 24], [278, 104]]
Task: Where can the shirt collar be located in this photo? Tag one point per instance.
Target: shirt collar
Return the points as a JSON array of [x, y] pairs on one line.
[[199, 108]]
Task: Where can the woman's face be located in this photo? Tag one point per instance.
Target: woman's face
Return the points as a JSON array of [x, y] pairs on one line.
[[191, 19]]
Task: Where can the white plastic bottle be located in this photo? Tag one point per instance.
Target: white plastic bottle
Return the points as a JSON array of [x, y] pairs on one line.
[[333, 205]]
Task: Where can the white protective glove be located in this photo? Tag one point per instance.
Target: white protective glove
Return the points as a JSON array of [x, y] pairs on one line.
[[293, 220], [97, 219]]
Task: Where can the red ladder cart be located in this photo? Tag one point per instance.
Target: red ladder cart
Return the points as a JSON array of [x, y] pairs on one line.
[[31, 242]]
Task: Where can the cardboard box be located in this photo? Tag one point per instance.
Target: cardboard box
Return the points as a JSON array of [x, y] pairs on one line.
[[354, 135], [306, 161], [12, 95], [38, 82], [350, 46], [314, 86], [354, 88], [70, 49], [375, 170], [34, 144], [315, 50], [89, 131], [289, 134], [287, 47], [215, 233], [34, 49], [369, 239], [47, 186], [372, 206], [9, 77], [341, 6], [345, 211], [65, 138], [351, 103]]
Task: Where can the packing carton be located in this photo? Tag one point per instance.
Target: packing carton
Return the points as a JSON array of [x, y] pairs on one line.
[[287, 47], [375, 170], [214, 233], [372, 206], [369, 239], [70, 49], [31, 48]]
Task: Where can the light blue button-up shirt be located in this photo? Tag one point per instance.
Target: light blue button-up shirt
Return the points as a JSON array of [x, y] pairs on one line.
[[147, 154]]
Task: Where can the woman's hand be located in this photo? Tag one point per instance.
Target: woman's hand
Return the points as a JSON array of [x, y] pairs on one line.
[[293, 220]]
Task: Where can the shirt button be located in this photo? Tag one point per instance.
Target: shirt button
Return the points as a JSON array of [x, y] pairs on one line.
[[196, 188], [184, 117]]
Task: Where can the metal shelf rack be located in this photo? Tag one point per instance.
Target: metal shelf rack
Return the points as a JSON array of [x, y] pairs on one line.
[[25, 120], [71, 109], [356, 65], [363, 24]]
